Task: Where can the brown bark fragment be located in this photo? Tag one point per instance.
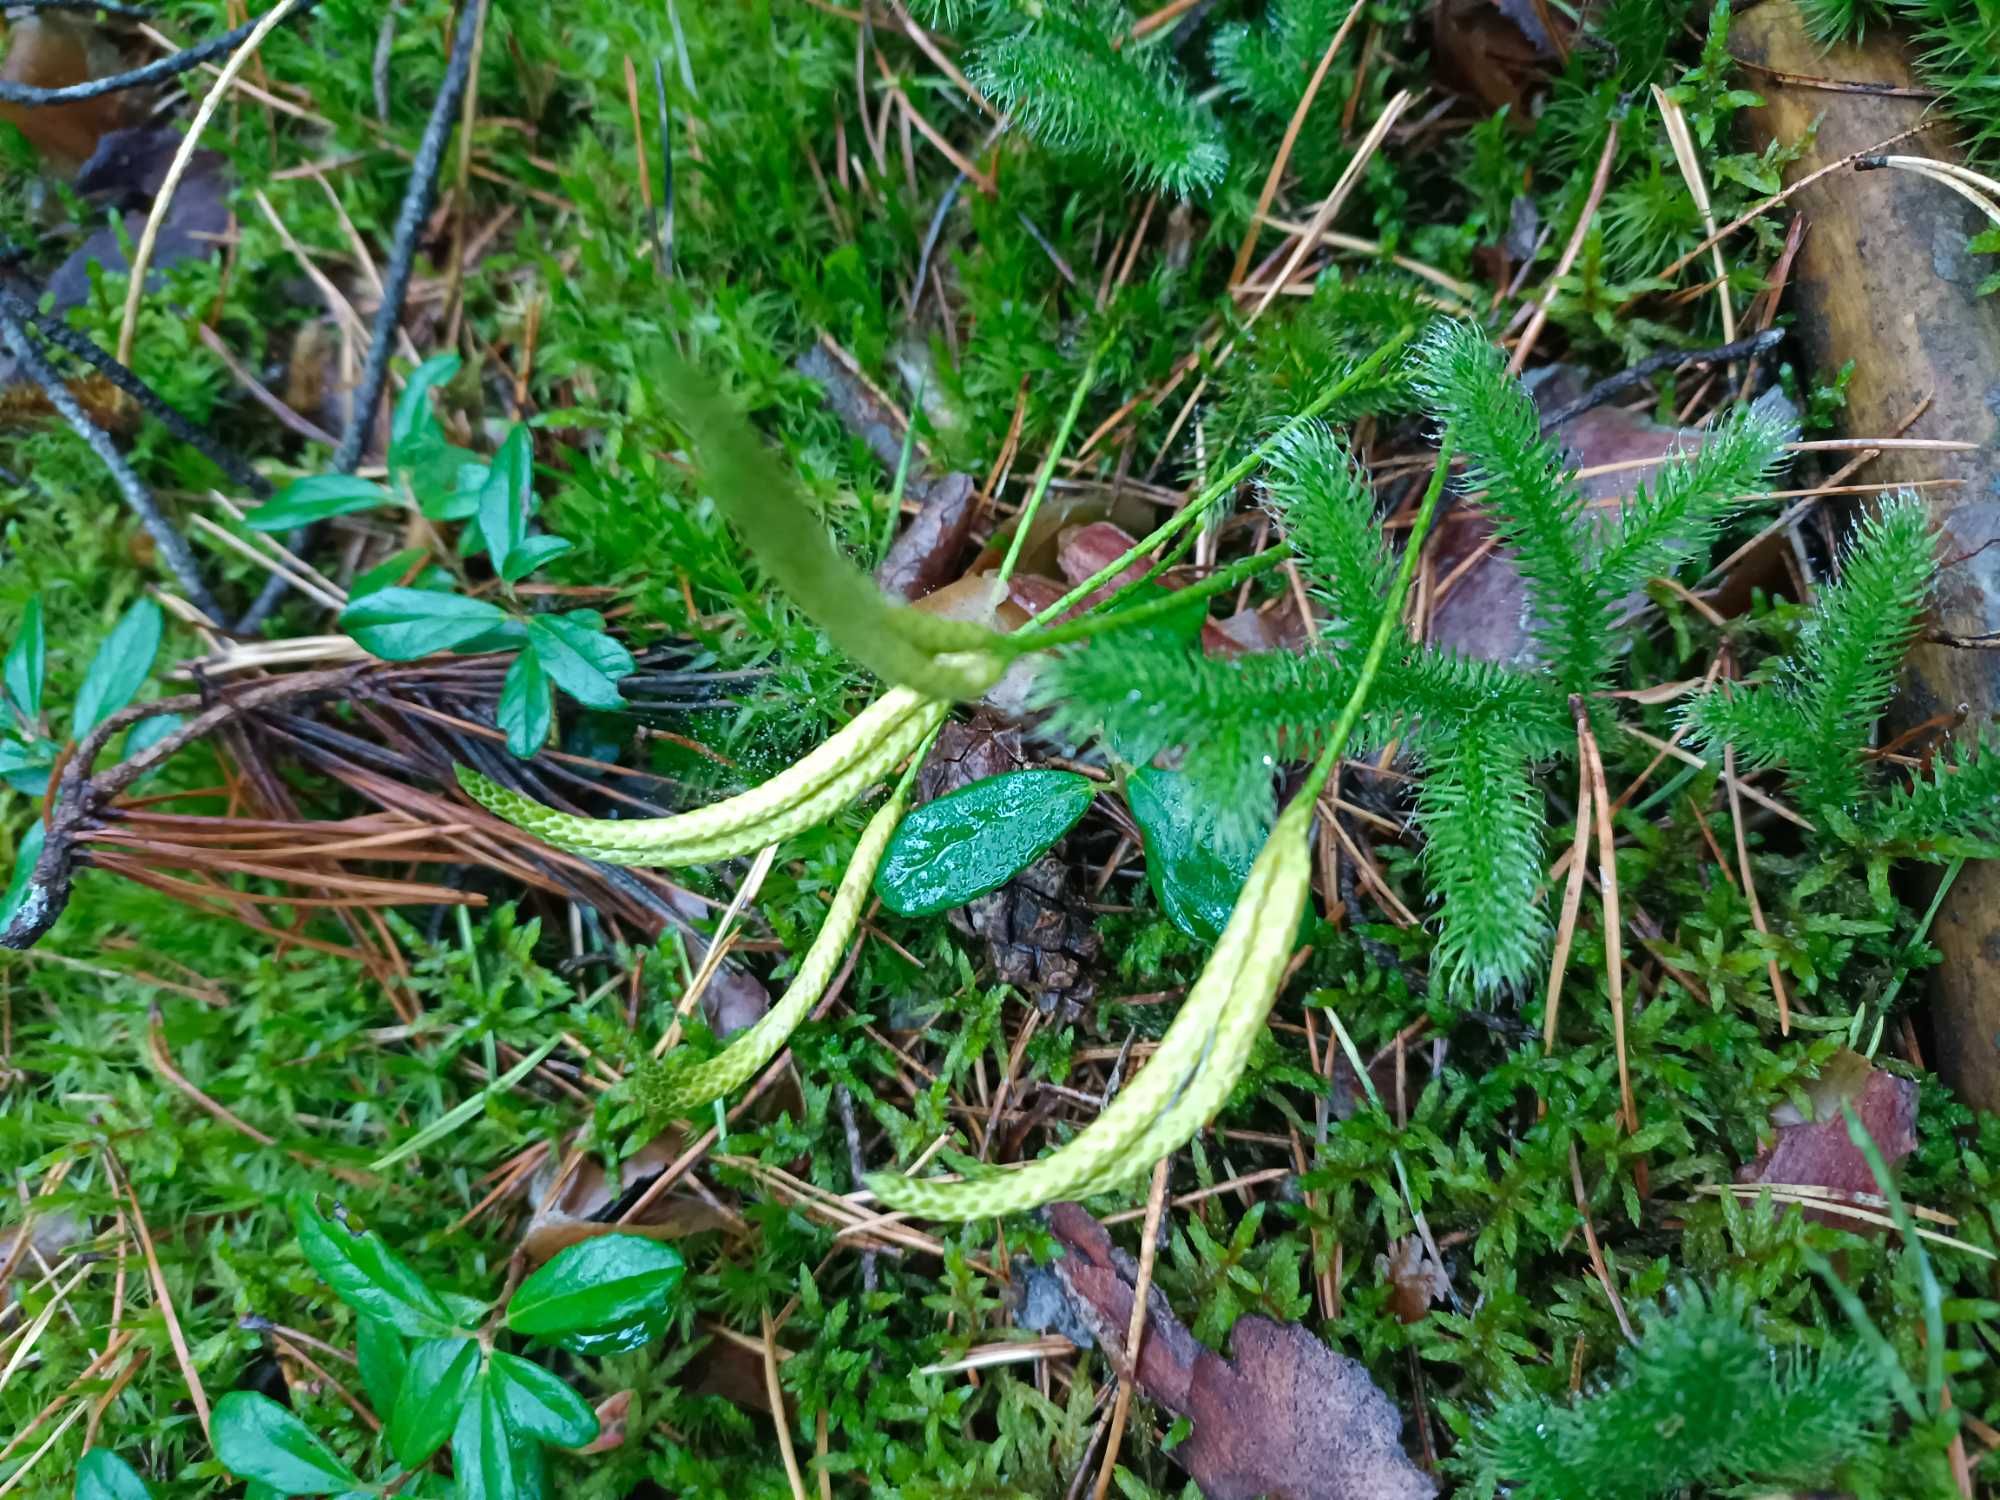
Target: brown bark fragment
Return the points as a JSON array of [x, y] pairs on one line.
[[1882, 278]]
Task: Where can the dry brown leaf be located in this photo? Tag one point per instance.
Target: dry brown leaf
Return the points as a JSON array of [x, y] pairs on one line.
[[1486, 614], [1415, 1280], [927, 553], [1284, 1417], [587, 1207], [612, 1413], [53, 51], [1817, 1152]]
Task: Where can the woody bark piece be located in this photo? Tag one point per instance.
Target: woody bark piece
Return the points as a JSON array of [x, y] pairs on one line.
[[1882, 278]]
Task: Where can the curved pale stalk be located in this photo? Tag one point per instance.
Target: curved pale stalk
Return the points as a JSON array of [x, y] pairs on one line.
[[679, 1088], [1207, 1046], [1190, 1074], [798, 798]]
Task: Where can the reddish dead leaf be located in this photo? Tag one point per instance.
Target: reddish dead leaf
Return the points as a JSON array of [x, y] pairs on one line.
[[1817, 1152], [926, 555], [612, 1413], [1284, 1417]]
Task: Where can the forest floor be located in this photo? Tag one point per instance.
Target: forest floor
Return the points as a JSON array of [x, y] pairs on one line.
[[1455, 1187]]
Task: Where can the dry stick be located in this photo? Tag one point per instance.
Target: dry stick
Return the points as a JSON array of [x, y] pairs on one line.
[[173, 548], [1574, 248], [142, 253], [1614, 928], [1298, 120], [1135, 1327], [410, 217], [776, 1392]]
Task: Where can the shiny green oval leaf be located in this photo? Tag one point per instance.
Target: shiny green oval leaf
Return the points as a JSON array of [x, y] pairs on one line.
[[120, 668], [370, 1277], [103, 1475], [379, 1351], [531, 554], [614, 1291], [978, 838], [1195, 880], [259, 1440], [27, 662], [435, 1386], [503, 499], [584, 662], [399, 624], [413, 415], [490, 1457], [314, 499], [539, 1403], [526, 709]]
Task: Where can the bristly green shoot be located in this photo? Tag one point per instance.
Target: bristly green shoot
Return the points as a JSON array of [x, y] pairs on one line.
[[1816, 709], [1064, 78], [1703, 1400], [1813, 712], [1472, 728]]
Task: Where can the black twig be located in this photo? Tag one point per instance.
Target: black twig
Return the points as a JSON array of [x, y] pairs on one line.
[[417, 200], [1670, 359], [155, 72], [63, 336], [173, 548], [418, 197], [931, 234], [87, 7]]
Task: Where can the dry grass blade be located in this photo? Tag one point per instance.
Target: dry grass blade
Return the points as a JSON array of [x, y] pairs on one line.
[[1682, 140], [1323, 216], [783, 1422], [162, 1296], [1284, 156], [1598, 183], [1579, 851], [1597, 1261], [1614, 928], [1135, 1330]]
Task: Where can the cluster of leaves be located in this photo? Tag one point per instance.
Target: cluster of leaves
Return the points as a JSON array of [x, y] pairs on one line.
[[435, 1378], [408, 607], [28, 752]]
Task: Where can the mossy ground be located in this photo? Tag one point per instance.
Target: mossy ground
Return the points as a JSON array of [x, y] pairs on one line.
[[774, 242]]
